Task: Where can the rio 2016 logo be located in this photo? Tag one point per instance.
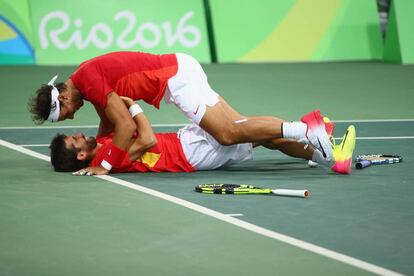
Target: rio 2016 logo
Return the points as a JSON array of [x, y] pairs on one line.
[[147, 35]]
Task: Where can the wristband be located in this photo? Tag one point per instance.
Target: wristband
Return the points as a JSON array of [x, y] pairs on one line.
[[106, 165], [113, 157], [134, 110]]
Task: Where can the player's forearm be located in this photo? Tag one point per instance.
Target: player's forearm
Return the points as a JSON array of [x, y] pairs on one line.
[[119, 117], [140, 147], [105, 125], [145, 135], [145, 139], [123, 134], [124, 127]]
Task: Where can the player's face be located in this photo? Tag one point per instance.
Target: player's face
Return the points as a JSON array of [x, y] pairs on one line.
[[80, 142], [69, 104]]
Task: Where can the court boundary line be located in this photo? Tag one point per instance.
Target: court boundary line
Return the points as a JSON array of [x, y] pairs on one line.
[[181, 125], [226, 218], [382, 137], [373, 121], [34, 145]]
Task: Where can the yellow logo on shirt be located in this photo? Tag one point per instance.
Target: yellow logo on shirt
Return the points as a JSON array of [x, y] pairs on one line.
[[150, 158]]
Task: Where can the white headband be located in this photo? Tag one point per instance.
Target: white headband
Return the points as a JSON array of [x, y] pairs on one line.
[[54, 102]]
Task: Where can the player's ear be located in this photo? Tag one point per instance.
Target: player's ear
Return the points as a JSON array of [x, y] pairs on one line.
[[62, 96], [81, 155]]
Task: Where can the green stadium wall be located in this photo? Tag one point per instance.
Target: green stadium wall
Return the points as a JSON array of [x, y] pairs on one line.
[[16, 44], [58, 32], [296, 30], [399, 39], [68, 34]]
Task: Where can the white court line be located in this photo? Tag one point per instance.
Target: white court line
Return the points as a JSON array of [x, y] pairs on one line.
[[35, 145], [373, 121], [181, 125], [383, 138], [223, 217], [24, 150], [380, 137], [234, 215], [49, 127]]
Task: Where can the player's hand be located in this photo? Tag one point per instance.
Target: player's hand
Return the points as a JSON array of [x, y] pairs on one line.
[[127, 101], [98, 170]]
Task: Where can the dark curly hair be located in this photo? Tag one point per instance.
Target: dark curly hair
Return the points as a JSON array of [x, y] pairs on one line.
[[39, 105], [65, 159]]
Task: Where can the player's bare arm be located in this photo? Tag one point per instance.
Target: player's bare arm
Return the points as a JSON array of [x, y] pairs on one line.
[[124, 127], [119, 116], [105, 125], [145, 134]]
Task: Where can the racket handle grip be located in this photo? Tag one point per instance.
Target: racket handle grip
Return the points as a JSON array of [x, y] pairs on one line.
[[362, 164], [287, 192]]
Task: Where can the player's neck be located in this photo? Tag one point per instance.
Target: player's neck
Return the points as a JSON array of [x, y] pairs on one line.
[[95, 150], [72, 89]]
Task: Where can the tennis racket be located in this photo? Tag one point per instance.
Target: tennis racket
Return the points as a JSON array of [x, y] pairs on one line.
[[366, 160], [236, 189]]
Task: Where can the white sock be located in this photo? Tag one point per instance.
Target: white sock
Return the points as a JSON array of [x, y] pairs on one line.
[[294, 130], [318, 158]]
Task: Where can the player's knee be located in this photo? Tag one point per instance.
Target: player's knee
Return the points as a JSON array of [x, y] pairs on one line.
[[227, 138], [225, 141]]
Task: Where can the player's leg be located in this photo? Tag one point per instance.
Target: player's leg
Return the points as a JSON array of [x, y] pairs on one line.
[[229, 127], [190, 92], [297, 150], [342, 153], [290, 147]]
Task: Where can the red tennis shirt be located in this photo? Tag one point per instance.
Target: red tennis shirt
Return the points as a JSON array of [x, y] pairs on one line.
[[140, 76], [166, 156]]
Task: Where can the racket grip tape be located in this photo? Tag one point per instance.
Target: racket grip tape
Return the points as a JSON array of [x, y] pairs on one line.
[[288, 192], [362, 164]]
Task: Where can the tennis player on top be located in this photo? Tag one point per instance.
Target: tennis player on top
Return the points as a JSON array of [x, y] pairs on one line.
[[190, 149], [176, 78]]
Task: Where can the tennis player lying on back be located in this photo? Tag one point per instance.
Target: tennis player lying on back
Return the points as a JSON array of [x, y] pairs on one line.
[[190, 149]]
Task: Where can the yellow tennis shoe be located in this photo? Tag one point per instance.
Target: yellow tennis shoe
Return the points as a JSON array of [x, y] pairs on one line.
[[342, 153], [329, 127]]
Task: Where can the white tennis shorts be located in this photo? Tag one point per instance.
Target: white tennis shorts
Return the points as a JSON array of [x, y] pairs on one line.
[[203, 152], [189, 89]]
